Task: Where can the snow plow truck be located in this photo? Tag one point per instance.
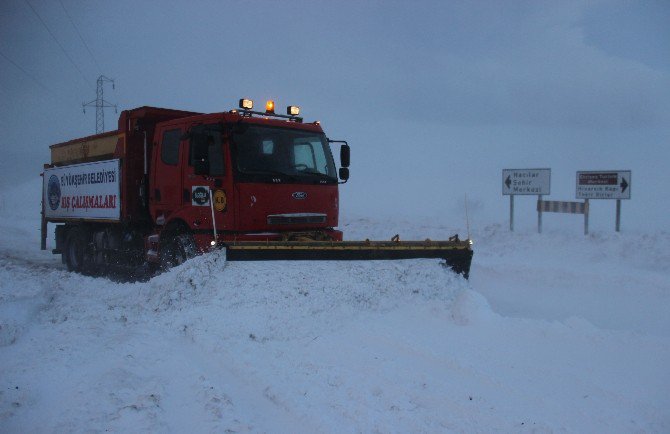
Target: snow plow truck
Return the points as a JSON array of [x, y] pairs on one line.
[[170, 184]]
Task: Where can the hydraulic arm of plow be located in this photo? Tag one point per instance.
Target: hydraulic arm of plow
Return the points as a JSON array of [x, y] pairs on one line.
[[457, 254]]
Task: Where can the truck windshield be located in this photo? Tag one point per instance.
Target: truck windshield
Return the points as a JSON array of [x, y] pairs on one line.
[[278, 151]]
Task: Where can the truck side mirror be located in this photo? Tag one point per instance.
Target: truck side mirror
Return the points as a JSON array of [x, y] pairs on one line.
[[344, 173], [344, 157]]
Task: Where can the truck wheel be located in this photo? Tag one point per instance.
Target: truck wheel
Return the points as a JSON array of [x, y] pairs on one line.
[[76, 250], [177, 250]]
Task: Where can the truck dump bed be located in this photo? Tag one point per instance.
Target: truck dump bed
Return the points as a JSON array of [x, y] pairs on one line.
[[83, 165], [86, 149]]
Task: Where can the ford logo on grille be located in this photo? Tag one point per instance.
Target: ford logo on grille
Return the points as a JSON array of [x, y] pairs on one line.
[[299, 195]]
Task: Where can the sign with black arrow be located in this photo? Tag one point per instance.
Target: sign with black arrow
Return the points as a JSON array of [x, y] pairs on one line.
[[606, 184], [526, 181]]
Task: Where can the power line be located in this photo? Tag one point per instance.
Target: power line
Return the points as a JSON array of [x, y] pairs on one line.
[[25, 72], [80, 37], [48, 91], [57, 42]]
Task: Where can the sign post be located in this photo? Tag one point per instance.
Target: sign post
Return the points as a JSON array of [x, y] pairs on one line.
[[511, 213], [539, 216], [525, 182], [608, 184], [586, 216]]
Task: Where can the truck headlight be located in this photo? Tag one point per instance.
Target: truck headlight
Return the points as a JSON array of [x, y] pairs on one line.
[[246, 104]]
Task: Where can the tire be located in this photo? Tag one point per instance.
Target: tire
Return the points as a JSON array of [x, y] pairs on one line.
[[178, 249], [77, 252]]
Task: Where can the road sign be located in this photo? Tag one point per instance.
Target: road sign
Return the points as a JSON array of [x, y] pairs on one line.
[[608, 184], [526, 181]]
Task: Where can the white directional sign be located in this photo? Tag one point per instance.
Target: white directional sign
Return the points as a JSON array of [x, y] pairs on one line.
[[608, 184], [526, 181]]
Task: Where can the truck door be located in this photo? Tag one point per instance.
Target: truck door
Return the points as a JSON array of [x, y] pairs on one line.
[[205, 171], [166, 191]]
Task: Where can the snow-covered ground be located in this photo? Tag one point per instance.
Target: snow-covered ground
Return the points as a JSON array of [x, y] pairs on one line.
[[552, 333]]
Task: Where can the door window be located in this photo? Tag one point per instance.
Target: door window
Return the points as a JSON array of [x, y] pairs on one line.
[[170, 147], [206, 149]]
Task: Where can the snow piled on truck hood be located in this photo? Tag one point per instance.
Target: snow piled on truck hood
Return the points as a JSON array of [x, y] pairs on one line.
[[553, 332]]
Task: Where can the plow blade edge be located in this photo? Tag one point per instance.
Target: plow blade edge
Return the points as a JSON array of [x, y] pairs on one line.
[[456, 254]]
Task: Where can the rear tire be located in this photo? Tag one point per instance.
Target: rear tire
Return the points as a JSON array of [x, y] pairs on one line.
[[77, 251]]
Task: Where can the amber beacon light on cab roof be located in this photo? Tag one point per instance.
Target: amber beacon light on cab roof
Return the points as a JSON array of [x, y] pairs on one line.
[[170, 184]]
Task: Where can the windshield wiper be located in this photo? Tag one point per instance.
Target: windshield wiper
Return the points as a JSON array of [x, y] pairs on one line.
[[319, 174], [271, 172]]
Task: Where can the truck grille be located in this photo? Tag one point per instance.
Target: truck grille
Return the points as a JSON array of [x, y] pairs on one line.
[[296, 219]]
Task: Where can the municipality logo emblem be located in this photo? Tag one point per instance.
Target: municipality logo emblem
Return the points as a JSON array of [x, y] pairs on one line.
[[53, 192]]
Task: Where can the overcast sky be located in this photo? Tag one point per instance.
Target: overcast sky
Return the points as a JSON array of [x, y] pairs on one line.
[[435, 98]]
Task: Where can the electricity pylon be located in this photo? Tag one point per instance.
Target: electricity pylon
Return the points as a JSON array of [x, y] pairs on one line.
[[100, 104]]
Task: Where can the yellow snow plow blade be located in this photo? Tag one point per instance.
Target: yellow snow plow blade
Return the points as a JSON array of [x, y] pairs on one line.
[[456, 253]]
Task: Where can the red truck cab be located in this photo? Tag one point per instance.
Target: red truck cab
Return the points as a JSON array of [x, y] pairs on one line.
[[240, 175]]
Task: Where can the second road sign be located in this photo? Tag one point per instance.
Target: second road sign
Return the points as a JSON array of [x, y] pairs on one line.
[[610, 184]]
